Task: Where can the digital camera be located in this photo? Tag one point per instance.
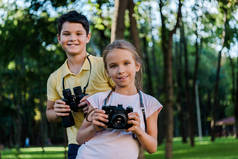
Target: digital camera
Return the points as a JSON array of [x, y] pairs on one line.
[[117, 116], [72, 101]]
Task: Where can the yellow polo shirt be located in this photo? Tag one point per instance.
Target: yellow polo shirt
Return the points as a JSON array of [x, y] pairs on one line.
[[99, 81]]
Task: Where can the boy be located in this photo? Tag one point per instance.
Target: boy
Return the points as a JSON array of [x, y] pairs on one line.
[[79, 69]]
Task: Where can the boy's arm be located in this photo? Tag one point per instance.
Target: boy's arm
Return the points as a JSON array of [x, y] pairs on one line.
[[50, 113]]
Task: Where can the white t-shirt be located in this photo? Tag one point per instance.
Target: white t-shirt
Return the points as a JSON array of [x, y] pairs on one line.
[[117, 143]]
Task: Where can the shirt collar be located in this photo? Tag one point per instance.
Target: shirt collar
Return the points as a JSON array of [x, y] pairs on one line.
[[66, 71]]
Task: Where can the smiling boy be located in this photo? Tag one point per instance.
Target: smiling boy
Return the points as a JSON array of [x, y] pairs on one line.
[[79, 69]]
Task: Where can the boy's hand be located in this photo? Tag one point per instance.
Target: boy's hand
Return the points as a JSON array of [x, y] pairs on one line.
[[60, 108]]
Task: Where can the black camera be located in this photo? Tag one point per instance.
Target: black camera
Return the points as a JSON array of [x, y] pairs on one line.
[[117, 116], [72, 101]]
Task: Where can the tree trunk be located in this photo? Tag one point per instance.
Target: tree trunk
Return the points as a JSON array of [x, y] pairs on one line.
[[149, 87], [216, 99], [133, 27], [155, 67], [192, 110], [187, 92], [169, 93], [167, 47], [118, 24], [236, 105]]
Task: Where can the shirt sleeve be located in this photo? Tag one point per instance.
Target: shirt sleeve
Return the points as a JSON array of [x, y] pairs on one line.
[[52, 94], [152, 105], [94, 100]]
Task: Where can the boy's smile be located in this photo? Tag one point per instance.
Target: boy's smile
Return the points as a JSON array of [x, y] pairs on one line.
[[73, 38]]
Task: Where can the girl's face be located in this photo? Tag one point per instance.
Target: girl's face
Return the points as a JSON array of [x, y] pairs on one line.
[[122, 67], [73, 38]]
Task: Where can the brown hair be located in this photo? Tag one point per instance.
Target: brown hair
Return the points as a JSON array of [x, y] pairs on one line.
[[122, 44]]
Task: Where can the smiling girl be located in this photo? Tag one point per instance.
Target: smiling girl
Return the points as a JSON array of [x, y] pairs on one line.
[[123, 65]]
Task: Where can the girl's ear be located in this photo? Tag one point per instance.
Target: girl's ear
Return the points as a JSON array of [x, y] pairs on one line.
[[138, 66]]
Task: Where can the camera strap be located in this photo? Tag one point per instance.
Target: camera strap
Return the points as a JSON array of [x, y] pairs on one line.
[[90, 70], [141, 105]]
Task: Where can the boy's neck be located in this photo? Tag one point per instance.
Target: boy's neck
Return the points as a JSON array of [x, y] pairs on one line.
[[126, 90], [75, 63]]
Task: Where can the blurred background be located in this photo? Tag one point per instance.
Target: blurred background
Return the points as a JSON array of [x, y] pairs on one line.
[[189, 49]]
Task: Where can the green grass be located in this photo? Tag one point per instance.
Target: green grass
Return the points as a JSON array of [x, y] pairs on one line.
[[222, 148]]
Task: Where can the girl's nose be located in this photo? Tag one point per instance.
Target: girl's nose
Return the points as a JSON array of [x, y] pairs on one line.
[[121, 69]]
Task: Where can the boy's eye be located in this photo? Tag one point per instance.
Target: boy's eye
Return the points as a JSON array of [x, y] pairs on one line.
[[80, 34], [66, 33]]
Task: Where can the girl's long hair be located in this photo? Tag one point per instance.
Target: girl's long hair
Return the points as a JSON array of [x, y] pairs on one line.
[[122, 44]]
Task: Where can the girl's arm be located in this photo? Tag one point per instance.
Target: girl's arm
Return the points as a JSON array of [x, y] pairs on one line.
[[89, 129], [147, 140]]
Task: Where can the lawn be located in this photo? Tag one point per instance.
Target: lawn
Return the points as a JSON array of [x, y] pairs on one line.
[[222, 148]]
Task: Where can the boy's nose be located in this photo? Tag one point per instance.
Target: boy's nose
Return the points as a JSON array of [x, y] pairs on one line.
[[73, 37]]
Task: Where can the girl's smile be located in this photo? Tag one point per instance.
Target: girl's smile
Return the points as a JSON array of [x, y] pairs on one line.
[[122, 68]]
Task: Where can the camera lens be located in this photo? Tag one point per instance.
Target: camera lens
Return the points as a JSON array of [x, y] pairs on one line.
[[119, 121]]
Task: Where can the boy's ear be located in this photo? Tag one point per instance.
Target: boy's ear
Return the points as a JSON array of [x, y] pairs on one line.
[[58, 38], [88, 37]]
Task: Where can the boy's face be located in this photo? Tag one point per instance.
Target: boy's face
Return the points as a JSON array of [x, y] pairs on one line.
[[73, 38]]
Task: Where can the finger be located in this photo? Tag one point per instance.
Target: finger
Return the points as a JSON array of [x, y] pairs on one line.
[[62, 114], [99, 111], [99, 124], [85, 109], [83, 104], [61, 106], [85, 97], [59, 101], [100, 115], [134, 116], [101, 119], [133, 122]]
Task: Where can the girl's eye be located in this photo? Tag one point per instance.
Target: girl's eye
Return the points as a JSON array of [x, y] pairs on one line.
[[126, 63], [79, 34], [112, 66]]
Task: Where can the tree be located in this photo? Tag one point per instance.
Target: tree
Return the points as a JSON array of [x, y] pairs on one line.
[[167, 46], [118, 22]]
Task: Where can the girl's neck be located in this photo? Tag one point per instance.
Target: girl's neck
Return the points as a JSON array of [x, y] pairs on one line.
[[75, 63], [126, 90]]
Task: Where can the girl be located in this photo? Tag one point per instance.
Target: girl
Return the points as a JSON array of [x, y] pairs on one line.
[[123, 65]]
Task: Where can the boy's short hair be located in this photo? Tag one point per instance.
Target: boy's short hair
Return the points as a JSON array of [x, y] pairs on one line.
[[75, 17]]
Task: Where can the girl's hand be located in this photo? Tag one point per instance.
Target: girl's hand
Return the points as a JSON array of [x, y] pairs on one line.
[[84, 104], [99, 118], [134, 119], [60, 108]]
